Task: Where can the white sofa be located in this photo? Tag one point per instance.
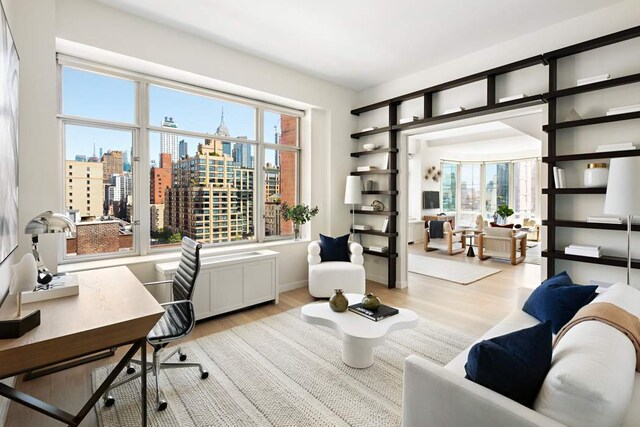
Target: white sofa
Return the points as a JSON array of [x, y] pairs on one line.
[[324, 277], [441, 397]]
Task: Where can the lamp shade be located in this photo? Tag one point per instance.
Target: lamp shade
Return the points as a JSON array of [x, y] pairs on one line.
[[353, 191], [623, 188], [49, 222]]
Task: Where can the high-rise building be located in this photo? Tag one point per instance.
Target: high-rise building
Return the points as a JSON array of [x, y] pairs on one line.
[[272, 219], [160, 179], [157, 218], [83, 188], [211, 199], [112, 164], [126, 163], [183, 149], [169, 141], [117, 195], [242, 157], [81, 158]]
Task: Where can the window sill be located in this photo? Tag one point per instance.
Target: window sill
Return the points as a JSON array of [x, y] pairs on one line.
[[173, 256]]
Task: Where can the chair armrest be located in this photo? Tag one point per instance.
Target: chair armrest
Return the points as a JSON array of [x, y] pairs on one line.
[[520, 235], [160, 282], [454, 401], [497, 238], [313, 253], [160, 290]]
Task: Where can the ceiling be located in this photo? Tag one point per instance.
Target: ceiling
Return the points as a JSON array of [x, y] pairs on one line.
[[358, 43]]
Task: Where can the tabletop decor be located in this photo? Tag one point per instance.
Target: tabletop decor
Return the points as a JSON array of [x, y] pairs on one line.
[[371, 302], [338, 302], [298, 214]]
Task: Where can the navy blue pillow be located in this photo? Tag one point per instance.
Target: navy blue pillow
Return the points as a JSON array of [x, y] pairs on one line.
[[513, 365], [334, 249], [557, 299]]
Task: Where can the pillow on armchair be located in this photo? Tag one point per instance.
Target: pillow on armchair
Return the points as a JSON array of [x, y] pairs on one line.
[[495, 224], [334, 249]]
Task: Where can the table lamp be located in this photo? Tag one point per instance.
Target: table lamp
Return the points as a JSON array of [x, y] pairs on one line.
[[45, 223], [353, 196], [623, 195]]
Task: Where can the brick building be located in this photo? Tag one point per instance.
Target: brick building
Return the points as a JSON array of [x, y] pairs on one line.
[[160, 179], [112, 164]]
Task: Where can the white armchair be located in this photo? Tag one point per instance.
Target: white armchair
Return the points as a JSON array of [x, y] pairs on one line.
[[502, 243], [324, 277]]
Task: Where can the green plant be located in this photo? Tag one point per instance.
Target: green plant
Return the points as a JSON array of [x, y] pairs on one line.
[[298, 214], [504, 211], [175, 238]]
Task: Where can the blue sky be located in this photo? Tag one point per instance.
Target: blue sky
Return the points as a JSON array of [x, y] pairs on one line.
[[97, 96]]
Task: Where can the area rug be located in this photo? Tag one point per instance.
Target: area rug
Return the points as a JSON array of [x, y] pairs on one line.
[[453, 271], [281, 371]]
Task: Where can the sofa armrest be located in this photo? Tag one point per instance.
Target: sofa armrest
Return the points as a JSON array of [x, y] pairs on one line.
[[435, 396], [355, 253], [313, 253]]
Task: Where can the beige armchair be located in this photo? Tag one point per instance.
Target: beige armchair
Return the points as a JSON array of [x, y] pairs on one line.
[[534, 229], [502, 243], [453, 241]]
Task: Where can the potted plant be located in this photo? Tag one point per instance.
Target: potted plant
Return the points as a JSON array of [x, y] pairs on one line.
[[298, 214], [504, 212]]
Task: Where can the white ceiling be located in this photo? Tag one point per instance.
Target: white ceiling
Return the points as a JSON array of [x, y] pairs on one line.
[[358, 43]]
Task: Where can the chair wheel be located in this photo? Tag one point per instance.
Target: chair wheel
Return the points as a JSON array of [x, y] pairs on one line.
[[204, 375], [109, 401], [162, 405], [183, 357], [131, 370]]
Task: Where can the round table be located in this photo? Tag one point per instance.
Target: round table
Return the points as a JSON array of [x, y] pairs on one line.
[[359, 335]]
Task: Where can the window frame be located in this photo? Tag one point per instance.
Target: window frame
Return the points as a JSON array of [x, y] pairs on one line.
[[141, 129]]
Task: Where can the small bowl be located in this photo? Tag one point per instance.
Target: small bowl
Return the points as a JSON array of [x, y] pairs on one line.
[[369, 147]]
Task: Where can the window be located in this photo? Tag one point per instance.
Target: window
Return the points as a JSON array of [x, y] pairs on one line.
[[219, 167], [496, 187], [526, 189], [470, 194], [449, 186]]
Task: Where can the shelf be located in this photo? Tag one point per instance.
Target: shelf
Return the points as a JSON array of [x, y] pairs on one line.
[[371, 132], [574, 191], [604, 260], [591, 156], [592, 121], [376, 172], [382, 213], [378, 151], [374, 233], [605, 84], [383, 192], [503, 69], [472, 112], [619, 36], [380, 254], [592, 225]]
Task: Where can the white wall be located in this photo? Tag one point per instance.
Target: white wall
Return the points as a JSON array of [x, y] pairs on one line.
[[617, 60], [36, 25]]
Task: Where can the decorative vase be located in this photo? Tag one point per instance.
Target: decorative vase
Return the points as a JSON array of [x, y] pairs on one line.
[[296, 231], [338, 302], [596, 175], [25, 278], [371, 302]]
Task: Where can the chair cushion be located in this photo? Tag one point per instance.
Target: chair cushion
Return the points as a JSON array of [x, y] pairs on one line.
[[334, 249], [514, 364], [557, 299], [175, 322]]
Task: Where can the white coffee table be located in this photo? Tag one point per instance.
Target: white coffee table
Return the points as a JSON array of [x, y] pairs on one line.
[[359, 335]]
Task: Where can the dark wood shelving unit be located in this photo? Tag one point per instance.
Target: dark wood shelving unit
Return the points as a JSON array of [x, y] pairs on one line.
[[380, 254], [591, 225], [603, 260], [375, 233], [382, 192], [591, 156], [552, 223], [592, 121], [574, 190], [377, 151], [381, 213], [591, 87], [376, 172], [358, 135]]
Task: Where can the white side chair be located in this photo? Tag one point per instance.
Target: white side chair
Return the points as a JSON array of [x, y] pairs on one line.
[[324, 277], [502, 243]]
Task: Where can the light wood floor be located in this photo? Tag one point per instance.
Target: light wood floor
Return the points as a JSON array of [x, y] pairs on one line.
[[474, 308]]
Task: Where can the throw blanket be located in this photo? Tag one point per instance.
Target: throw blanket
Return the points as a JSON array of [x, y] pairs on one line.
[[611, 315], [436, 229]]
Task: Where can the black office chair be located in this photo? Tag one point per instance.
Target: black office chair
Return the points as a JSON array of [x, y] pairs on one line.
[[176, 323]]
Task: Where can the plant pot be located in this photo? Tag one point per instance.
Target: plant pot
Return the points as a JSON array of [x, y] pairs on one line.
[[296, 232], [338, 302]]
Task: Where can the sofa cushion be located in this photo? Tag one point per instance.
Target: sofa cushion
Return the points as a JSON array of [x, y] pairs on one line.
[[591, 379], [334, 249], [514, 364], [557, 299], [496, 225]]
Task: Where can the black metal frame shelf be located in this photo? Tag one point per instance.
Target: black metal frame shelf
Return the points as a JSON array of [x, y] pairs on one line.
[[574, 190], [371, 132], [591, 156], [376, 172], [377, 151], [375, 233], [603, 260], [380, 254], [591, 225], [613, 38], [605, 84], [381, 213], [382, 192], [592, 121]]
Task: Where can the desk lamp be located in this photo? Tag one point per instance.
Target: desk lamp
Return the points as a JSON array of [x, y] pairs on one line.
[[45, 223]]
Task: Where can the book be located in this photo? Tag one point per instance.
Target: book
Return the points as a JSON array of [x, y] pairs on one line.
[[376, 315], [365, 168], [615, 147], [585, 247], [512, 97], [385, 225], [605, 219], [407, 120], [593, 79], [559, 177], [562, 177], [623, 110], [453, 110], [582, 252], [367, 208], [361, 227], [369, 128], [380, 249]]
